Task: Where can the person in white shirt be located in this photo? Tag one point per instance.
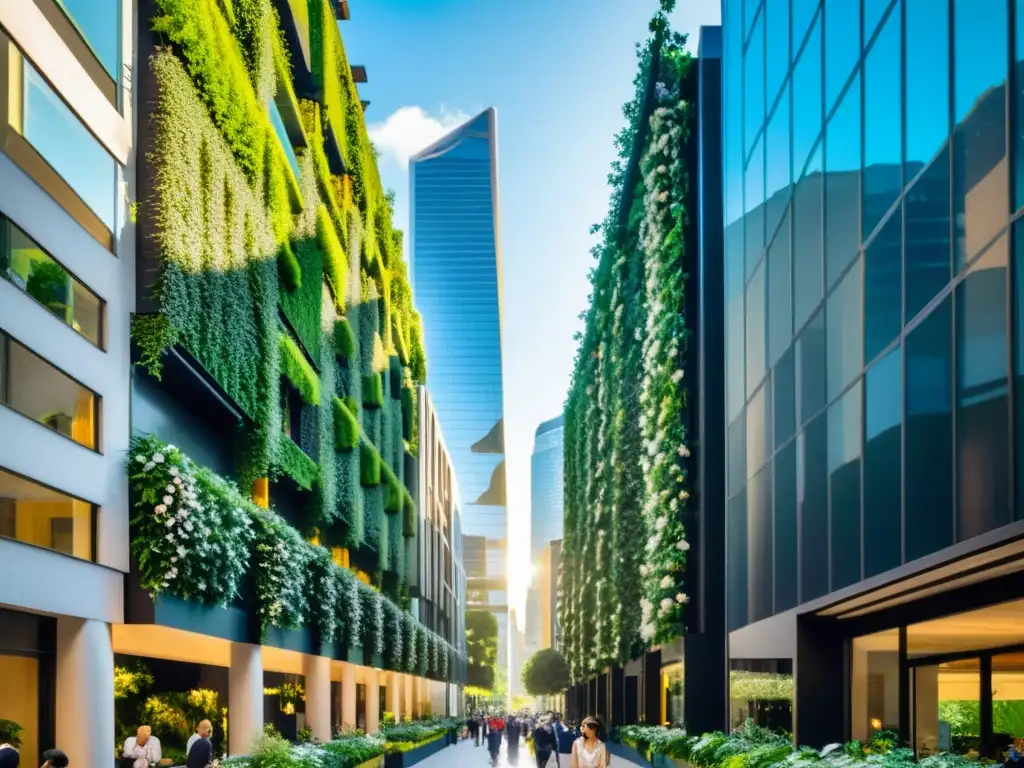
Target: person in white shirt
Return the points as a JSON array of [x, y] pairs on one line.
[[144, 747], [203, 731]]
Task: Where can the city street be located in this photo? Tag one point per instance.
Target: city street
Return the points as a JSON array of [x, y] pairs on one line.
[[466, 755]]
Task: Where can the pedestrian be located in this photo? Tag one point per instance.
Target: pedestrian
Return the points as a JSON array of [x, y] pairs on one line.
[[54, 758], [512, 731], [9, 757], [544, 743], [471, 728], [494, 742], [589, 750], [200, 754]]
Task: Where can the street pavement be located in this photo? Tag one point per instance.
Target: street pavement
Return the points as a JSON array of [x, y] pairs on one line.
[[466, 754]]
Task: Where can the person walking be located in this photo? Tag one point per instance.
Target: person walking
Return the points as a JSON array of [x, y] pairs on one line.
[[203, 731], [589, 751], [512, 731], [544, 743]]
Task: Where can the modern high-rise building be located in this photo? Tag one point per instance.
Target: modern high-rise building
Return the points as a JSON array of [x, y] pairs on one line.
[[546, 511], [873, 253], [456, 275]]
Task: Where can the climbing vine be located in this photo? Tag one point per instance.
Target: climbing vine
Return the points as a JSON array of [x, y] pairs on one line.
[[623, 564]]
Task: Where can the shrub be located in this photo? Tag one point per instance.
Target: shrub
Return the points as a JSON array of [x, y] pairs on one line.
[[344, 339], [346, 427], [293, 462], [393, 497], [369, 465], [296, 368], [408, 515], [10, 733], [373, 391], [335, 261]]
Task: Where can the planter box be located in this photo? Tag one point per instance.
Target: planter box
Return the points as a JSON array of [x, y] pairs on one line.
[[376, 762], [413, 756]]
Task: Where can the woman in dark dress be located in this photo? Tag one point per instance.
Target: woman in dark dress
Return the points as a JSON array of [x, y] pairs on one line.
[[201, 754], [513, 728]]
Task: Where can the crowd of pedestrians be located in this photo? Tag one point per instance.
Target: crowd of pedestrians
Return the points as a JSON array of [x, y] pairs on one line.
[[553, 740]]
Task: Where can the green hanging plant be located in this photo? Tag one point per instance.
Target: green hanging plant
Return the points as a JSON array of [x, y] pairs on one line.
[[346, 427], [296, 368], [373, 391], [369, 465], [344, 339]]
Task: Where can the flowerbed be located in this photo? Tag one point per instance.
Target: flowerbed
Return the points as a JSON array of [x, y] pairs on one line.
[[754, 747], [406, 737], [274, 752]]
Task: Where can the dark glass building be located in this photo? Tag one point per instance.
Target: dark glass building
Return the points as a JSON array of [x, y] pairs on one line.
[[456, 268], [872, 306]]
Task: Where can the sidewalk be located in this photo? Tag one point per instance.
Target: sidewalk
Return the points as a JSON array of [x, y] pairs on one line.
[[466, 755]]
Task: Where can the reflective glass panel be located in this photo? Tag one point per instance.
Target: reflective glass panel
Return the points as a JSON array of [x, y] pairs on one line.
[[883, 104], [753, 83], [803, 13], [755, 329], [282, 135], [883, 287], [842, 46], [1018, 335], [753, 190], [759, 544], [982, 387], [810, 369], [927, 97], [735, 272], [940, 693], [37, 273], [777, 165], [807, 242], [928, 443], [41, 516], [873, 12], [1018, 104], [812, 502], [738, 453], [737, 392], [737, 557], [844, 321], [844, 452], [758, 435], [807, 102], [980, 175], [785, 528], [784, 391], [928, 256], [67, 145], [842, 185], [777, 45], [34, 388], [99, 22], [780, 295], [883, 420]]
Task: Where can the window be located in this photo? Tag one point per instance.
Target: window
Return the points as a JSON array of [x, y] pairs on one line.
[[785, 403], [810, 370], [982, 388], [735, 353], [883, 421], [777, 166], [927, 97], [883, 106], [844, 322], [806, 98], [282, 135], [883, 287], [777, 60], [736, 578], [980, 177], [785, 528], [754, 196], [844, 453], [807, 242], [780, 295], [46, 518], [928, 444], [759, 544], [755, 329], [99, 22], [873, 12], [812, 508], [37, 273], [737, 454], [758, 436], [1018, 106], [842, 47], [34, 388], [842, 185], [803, 13], [753, 83], [875, 684], [928, 254]]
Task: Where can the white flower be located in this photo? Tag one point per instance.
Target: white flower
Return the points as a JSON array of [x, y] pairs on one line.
[[140, 458], [643, 569], [684, 451], [660, 523], [170, 488], [682, 598], [682, 545], [148, 467], [173, 471], [168, 500], [158, 458], [667, 583], [181, 551], [677, 377], [647, 631], [666, 603], [159, 509], [174, 558], [164, 584], [169, 522]]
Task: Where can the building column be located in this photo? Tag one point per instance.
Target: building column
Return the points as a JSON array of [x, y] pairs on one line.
[[317, 671], [348, 696], [372, 700], [245, 697], [422, 699], [85, 690], [394, 696], [408, 696]]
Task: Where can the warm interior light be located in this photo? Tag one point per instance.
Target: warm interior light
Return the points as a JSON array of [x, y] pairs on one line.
[[876, 723]]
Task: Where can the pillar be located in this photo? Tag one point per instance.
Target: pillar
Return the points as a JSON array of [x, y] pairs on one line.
[[394, 695], [85, 690], [422, 702], [245, 697], [409, 697], [317, 671], [348, 696], [372, 701]]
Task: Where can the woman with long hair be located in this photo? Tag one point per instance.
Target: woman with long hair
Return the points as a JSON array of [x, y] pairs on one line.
[[589, 751]]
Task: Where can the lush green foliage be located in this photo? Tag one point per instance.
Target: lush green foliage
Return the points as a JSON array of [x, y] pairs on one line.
[[624, 551], [546, 673], [293, 462], [10, 733], [481, 648], [346, 427], [373, 391], [344, 339], [335, 261], [296, 368], [369, 465]]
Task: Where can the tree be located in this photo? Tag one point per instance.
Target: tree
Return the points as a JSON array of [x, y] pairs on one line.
[[481, 648], [546, 673]]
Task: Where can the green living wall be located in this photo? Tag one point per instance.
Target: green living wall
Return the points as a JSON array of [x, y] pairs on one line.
[[284, 278], [623, 568]]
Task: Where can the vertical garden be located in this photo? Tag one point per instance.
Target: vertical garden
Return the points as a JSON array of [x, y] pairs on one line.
[[623, 571], [268, 258]]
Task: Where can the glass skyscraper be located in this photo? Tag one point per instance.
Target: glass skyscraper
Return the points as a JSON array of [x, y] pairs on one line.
[[873, 248], [456, 273], [546, 513]]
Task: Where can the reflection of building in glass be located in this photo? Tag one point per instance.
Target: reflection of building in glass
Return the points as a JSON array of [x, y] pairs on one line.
[[546, 511], [456, 279], [871, 322]]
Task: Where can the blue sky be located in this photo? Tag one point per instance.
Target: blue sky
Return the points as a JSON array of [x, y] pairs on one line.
[[558, 72]]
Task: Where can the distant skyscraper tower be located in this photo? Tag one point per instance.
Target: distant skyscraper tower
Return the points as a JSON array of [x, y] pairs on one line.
[[456, 275], [545, 526]]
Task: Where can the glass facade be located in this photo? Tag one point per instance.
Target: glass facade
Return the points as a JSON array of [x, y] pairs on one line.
[[41, 516], [870, 312], [99, 23], [546, 513], [456, 283]]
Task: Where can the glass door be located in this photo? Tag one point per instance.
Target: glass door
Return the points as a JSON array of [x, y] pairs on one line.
[[947, 707]]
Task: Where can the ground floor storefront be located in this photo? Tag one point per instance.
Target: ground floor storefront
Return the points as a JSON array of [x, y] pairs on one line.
[[84, 685]]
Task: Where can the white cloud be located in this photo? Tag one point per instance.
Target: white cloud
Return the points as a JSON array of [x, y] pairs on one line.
[[410, 129]]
